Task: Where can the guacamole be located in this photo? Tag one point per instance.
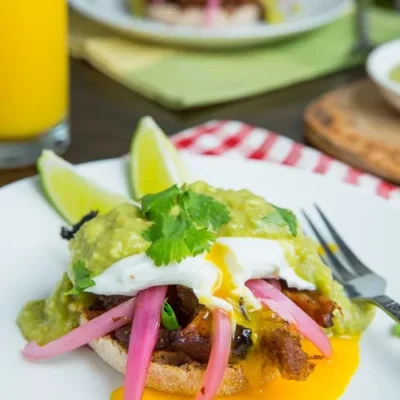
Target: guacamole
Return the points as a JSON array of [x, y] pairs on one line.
[[395, 74], [109, 238], [118, 234], [48, 319]]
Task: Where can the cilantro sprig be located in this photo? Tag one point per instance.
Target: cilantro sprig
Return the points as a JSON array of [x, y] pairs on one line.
[[159, 204], [205, 210], [168, 317], [82, 279], [282, 217], [184, 223]]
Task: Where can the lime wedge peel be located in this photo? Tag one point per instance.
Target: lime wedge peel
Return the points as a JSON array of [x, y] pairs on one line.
[[155, 164], [71, 194]]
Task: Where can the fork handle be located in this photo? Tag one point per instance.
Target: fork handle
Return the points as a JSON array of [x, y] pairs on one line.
[[388, 305]]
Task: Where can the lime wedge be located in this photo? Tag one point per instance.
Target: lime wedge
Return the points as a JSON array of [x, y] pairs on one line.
[[70, 193], [155, 163]]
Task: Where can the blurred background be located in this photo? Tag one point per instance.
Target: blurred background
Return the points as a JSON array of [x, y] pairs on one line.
[[76, 76]]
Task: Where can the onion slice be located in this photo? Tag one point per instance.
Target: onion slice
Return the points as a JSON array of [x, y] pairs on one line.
[[144, 334], [275, 283], [211, 11], [268, 295], [219, 357], [82, 335]]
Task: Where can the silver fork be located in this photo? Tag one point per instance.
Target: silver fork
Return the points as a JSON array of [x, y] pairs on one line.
[[360, 283]]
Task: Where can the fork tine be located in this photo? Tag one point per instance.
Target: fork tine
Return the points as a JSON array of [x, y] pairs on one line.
[[353, 260], [340, 271]]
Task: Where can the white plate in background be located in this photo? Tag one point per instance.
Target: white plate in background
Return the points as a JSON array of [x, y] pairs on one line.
[[115, 14]]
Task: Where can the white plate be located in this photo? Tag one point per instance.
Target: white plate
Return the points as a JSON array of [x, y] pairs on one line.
[[33, 257], [114, 13]]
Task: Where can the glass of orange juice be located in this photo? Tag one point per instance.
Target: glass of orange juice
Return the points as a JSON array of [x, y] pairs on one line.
[[33, 80]]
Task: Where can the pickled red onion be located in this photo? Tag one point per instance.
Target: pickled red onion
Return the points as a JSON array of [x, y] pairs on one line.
[[211, 10], [144, 334], [219, 357], [289, 311], [275, 283], [93, 329]]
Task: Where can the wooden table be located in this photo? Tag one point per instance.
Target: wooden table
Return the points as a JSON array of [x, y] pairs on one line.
[[104, 113]]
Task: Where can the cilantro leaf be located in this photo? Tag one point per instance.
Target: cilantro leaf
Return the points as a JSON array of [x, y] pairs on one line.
[[189, 232], [198, 240], [167, 239], [157, 204], [166, 226], [166, 250], [173, 239], [274, 218], [82, 279], [290, 219], [282, 217], [168, 317], [204, 210]]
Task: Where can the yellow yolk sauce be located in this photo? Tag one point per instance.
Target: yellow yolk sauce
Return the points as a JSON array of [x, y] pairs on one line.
[[328, 381], [225, 285], [225, 289]]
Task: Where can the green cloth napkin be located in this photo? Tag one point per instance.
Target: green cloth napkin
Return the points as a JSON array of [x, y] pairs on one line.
[[181, 79]]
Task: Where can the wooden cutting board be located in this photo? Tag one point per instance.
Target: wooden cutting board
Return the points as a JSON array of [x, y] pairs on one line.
[[355, 124]]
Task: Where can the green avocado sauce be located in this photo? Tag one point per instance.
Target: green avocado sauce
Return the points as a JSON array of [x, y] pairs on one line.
[[109, 238], [118, 234], [395, 74], [48, 319]]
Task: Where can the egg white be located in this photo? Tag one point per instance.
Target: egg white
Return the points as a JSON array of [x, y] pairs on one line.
[[245, 258]]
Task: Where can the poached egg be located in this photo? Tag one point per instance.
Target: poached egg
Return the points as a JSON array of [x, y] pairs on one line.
[[217, 278]]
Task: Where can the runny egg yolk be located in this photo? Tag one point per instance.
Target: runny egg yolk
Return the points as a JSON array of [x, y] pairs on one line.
[[328, 381], [225, 289], [225, 285]]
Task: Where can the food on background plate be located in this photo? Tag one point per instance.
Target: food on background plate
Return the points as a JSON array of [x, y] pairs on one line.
[[196, 290], [215, 13]]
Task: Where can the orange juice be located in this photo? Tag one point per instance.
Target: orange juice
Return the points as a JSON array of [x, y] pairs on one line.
[[33, 67]]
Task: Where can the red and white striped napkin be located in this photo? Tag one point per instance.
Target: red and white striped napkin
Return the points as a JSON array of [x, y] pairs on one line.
[[240, 140]]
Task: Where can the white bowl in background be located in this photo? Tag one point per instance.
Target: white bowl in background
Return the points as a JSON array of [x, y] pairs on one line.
[[379, 65]]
